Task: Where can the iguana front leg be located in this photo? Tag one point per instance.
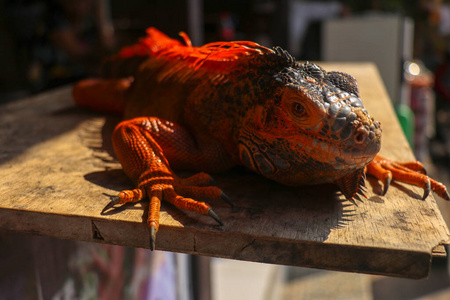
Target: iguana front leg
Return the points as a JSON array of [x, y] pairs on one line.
[[145, 146], [409, 172]]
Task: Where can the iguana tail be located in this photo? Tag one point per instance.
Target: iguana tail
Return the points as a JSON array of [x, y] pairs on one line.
[[102, 95]]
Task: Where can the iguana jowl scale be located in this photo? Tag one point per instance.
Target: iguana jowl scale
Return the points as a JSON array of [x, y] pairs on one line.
[[209, 108]]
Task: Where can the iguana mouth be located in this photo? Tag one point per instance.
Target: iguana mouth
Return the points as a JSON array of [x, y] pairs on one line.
[[357, 150]]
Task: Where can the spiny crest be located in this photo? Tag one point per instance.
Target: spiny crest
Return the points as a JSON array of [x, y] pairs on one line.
[[313, 70], [154, 42], [299, 73], [353, 186], [310, 69], [220, 55], [214, 55], [286, 56], [217, 59], [292, 72]]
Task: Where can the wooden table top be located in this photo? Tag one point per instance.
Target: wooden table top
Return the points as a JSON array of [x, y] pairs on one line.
[[57, 170]]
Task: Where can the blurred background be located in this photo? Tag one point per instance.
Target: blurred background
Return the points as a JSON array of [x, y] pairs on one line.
[[46, 44]]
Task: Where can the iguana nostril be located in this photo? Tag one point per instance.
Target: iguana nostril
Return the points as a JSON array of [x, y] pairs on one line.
[[361, 135]]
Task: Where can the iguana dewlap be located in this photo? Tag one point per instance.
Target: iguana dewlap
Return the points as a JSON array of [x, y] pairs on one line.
[[209, 108]]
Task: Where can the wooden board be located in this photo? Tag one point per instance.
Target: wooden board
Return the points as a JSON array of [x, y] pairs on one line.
[[57, 170]]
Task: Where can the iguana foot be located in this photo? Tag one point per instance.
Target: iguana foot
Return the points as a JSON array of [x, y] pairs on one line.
[[407, 172], [168, 187], [144, 147]]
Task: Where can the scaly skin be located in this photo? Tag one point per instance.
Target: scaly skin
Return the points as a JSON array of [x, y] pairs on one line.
[[209, 108]]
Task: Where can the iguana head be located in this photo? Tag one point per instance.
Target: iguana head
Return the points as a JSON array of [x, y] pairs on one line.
[[312, 130]]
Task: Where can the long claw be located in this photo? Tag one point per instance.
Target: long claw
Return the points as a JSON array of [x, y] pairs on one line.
[[424, 171], [362, 195], [152, 236], [212, 182], [213, 215], [114, 201], [352, 200], [224, 197], [357, 197], [409, 172], [426, 189], [387, 183], [446, 196]]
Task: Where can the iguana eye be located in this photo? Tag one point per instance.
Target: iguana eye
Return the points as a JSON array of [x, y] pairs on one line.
[[298, 109]]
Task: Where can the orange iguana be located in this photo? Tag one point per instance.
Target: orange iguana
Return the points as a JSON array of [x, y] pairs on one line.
[[209, 108]]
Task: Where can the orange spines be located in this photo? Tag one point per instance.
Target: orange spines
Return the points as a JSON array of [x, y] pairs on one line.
[[186, 39], [218, 55], [153, 43], [214, 56]]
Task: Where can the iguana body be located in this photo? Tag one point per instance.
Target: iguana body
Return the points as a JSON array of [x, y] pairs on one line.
[[210, 108]]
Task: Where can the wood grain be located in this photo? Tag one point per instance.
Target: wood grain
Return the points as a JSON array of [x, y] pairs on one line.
[[57, 169]]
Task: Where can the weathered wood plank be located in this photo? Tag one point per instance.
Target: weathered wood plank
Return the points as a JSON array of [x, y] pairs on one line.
[[56, 165]]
